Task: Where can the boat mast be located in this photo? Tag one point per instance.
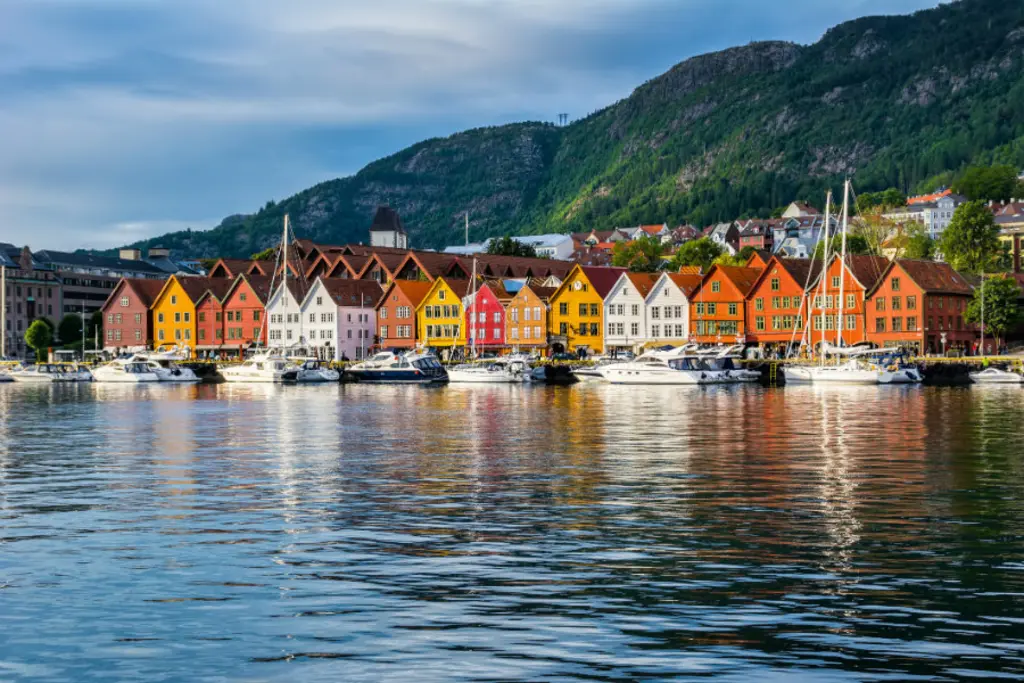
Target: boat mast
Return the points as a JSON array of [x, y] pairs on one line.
[[3, 311], [824, 273], [982, 312], [284, 273], [471, 328], [842, 271]]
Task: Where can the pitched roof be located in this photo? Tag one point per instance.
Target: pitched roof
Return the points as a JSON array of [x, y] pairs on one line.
[[459, 287], [687, 282], [146, 289], [935, 277], [259, 284], [689, 270], [602, 279], [387, 220], [413, 290], [352, 292], [741, 277], [644, 282], [543, 293], [867, 270], [197, 287], [928, 198], [89, 260], [799, 268]]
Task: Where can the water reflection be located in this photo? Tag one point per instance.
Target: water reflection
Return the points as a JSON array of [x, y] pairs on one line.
[[506, 532]]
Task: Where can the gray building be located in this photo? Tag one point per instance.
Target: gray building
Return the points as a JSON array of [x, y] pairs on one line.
[[30, 290], [87, 279]]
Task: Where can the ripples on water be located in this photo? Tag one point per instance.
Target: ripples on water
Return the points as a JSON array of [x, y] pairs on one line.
[[510, 533]]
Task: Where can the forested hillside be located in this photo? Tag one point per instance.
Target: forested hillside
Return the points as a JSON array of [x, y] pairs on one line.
[[894, 101]]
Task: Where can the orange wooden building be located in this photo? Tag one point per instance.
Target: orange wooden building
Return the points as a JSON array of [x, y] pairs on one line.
[[858, 277], [718, 305], [775, 304]]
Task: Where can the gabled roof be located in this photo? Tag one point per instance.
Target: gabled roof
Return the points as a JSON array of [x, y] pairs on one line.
[[602, 279], [387, 220], [259, 284], [352, 264], [644, 282], [543, 293], [687, 282], [741, 277], [497, 288], [146, 290], [345, 292], [388, 261], [413, 290], [866, 270], [933, 277], [230, 267], [797, 268]]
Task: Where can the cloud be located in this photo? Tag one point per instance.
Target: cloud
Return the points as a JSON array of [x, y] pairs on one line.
[[127, 116]]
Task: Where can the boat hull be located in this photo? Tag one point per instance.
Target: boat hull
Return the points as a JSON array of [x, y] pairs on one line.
[[124, 378], [396, 377], [661, 377], [1008, 378], [463, 377]]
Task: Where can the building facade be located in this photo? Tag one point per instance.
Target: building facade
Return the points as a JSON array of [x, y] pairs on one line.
[[88, 279], [485, 316], [718, 308], [245, 314], [843, 321], [340, 322], [127, 321], [776, 305], [527, 317], [668, 307], [577, 309], [30, 290], [441, 315], [396, 314], [625, 312]]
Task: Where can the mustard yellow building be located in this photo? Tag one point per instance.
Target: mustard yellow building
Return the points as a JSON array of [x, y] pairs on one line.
[[174, 309], [441, 316], [576, 320]]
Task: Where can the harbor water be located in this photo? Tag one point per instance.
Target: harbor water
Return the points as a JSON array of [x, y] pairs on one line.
[[499, 533]]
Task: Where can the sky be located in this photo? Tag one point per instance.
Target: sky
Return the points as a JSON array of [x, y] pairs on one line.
[[125, 119]]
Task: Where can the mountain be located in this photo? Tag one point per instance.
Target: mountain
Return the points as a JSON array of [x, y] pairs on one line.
[[894, 101]]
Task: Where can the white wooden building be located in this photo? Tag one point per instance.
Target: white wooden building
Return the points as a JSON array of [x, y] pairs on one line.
[[667, 307], [624, 311]]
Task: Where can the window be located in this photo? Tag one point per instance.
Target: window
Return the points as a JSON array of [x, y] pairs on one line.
[[655, 330], [536, 313], [201, 316], [563, 329], [732, 309], [174, 300], [634, 329], [563, 308], [712, 309], [656, 312], [138, 335], [188, 317], [218, 317], [776, 284], [594, 330], [911, 324], [440, 295], [583, 309], [829, 301], [896, 303], [384, 313], [110, 318], [160, 335], [319, 300], [897, 324], [595, 310], [895, 285], [536, 332], [879, 324], [851, 322], [634, 309], [716, 286], [700, 310], [514, 332], [759, 304], [851, 301], [775, 302], [125, 302], [497, 317], [835, 282], [138, 318], [202, 335], [759, 323], [611, 329], [256, 316], [880, 303], [177, 317]]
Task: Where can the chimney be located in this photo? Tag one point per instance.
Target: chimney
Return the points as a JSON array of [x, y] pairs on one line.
[[158, 253], [130, 254]]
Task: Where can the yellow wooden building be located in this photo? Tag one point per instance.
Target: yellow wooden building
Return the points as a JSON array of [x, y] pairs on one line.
[[576, 319], [174, 310], [440, 316]]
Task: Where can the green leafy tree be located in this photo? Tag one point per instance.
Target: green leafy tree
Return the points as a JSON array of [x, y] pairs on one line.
[[745, 253], [268, 254], [971, 240], [641, 255], [983, 183], [700, 252], [1001, 296], [70, 328], [918, 244], [855, 244], [39, 337], [886, 199], [510, 246], [727, 259]]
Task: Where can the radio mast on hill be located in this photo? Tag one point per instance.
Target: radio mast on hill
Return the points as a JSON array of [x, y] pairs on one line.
[[563, 119]]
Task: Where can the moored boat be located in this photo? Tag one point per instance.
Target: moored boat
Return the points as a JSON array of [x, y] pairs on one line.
[[658, 367], [996, 376], [311, 370], [411, 367], [125, 371], [260, 368], [497, 371], [41, 373]]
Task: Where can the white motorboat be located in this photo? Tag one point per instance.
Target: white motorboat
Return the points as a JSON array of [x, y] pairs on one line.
[[996, 376], [260, 368], [314, 370], [165, 364], [412, 367], [592, 373], [5, 375], [499, 370], [659, 367], [125, 371], [41, 373], [851, 372]]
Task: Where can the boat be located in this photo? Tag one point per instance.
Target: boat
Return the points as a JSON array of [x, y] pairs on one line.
[[592, 372], [387, 367], [720, 364], [166, 364], [673, 366], [125, 371], [853, 371], [41, 373], [499, 370], [261, 368], [996, 376], [315, 370]]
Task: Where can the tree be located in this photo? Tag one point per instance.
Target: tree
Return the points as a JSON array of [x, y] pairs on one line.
[[745, 253], [727, 259], [70, 328], [94, 330], [1002, 311], [983, 183], [39, 337], [971, 240], [641, 255], [268, 254], [510, 246], [875, 229], [886, 199], [855, 244], [918, 244], [700, 252]]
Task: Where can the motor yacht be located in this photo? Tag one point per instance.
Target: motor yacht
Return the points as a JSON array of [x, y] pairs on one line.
[[125, 371], [41, 373], [658, 367], [996, 376], [166, 365], [498, 370], [314, 370], [387, 367], [260, 368]]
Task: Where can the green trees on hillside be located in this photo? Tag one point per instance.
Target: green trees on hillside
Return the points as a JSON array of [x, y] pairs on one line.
[[970, 243], [641, 255], [509, 246], [700, 252], [983, 183]]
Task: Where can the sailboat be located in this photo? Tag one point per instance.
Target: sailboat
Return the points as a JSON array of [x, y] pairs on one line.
[[853, 364]]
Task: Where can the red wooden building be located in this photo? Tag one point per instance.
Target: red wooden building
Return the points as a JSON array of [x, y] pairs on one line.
[[485, 316], [718, 305], [920, 305], [396, 313], [775, 304], [859, 276], [244, 311], [127, 322]]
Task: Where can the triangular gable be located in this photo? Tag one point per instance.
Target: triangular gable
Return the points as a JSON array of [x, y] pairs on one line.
[[163, 292], [320, 266]]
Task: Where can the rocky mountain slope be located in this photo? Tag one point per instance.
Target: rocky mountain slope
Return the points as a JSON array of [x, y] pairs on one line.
[[893, 101]]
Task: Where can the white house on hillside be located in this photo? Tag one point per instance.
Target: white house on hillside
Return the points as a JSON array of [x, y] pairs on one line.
[[668, 307], [624, 314]]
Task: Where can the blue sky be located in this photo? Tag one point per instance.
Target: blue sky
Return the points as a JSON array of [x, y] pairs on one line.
[[122, 119]]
